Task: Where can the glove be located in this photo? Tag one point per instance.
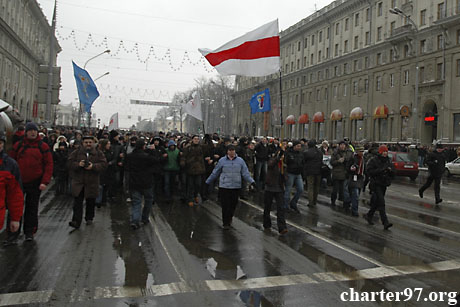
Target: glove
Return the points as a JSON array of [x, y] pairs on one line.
[[253, 185]]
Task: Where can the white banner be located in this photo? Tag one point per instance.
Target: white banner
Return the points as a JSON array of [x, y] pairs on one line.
[[193, 107], [113, 123]]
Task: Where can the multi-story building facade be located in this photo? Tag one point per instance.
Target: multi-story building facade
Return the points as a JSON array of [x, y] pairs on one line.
[[24, 57], [350, 69]]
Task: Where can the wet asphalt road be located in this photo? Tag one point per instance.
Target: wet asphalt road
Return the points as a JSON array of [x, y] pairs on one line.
[[185, 258]]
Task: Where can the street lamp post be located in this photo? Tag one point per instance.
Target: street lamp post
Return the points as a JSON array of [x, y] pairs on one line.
[[84, 67], [397, 11]]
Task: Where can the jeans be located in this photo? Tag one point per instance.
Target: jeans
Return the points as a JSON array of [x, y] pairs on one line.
[[170, 176], [354, 195], [136, 204], [260, 174], [268, 199], [298, 182]]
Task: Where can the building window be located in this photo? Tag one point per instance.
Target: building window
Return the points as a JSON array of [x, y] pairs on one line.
[[328, 33], [458, 68], [355, 87], [335, 90], [337, 25], [457, 127], [406, 77], [441, 11], [406, 51], [379, 34], [313, 40], [356, 42], [355, 65], [368, 38], [320, 75], [392, 27], [327, 73], [366, 62], [292, 49], [345, 46], [336, 50], [320, 36], [345, 90], [458, 37], [440, 42], [366, 85], [422, 46], [392, 55], [298, 45], [356, 19], [319, 56], [440, 71], [423, 17], [392, 80], [298, 64], [327, 53], [347, 21], [311, 58], [345, 68], [380, 9], [393, 3], [326, 94], [304, 61], [378, 83], [336, 70], [306, 42], [367, 14], [379, 59], [318, 95]]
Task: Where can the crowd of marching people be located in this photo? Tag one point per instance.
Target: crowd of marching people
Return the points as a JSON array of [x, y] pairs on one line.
[[100, 168]]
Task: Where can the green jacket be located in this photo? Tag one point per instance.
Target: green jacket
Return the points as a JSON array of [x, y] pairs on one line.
[[173, 160]]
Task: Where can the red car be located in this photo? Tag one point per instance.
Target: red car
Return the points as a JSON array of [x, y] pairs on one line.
[[403, 165]]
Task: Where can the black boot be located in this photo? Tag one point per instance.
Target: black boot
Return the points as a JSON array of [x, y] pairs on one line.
[[387, 225], [368, 219]]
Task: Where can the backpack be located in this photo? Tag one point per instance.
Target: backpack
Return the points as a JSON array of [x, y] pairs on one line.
[[26, 146]]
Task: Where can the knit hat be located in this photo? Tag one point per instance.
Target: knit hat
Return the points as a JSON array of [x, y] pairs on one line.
[[295, 143], [31, 126], [383, 148], [342, 142], [171, 143], [438, 145]]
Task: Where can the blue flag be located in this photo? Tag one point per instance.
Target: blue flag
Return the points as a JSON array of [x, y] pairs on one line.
[[87, 90], [260, 102]]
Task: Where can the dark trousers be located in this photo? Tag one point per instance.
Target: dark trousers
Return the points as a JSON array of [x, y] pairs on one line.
[[229, 200], [30, 217], [337, 187], [268, 200], [437, 186], [193, 186], [378, 203], [78, 208]]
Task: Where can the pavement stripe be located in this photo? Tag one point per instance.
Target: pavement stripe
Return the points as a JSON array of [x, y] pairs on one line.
[[323, 238], [34, 297]]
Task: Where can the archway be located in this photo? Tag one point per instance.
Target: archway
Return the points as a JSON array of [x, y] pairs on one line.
[[429, 127]]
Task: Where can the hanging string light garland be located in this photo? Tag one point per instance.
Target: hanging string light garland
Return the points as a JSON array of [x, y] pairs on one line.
[[131, 91], [135, 49]]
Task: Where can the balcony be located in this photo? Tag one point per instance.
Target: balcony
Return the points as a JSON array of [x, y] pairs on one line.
[[401, 34], [448, 18]]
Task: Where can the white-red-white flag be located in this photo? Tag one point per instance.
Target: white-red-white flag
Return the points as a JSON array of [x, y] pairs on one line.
[[193, 107], [255, 54], [113, 123]]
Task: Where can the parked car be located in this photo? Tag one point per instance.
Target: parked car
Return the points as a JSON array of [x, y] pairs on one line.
[[453, 167], [403, 165]]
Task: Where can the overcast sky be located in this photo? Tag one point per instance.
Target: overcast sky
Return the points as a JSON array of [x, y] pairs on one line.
[[180, 26]]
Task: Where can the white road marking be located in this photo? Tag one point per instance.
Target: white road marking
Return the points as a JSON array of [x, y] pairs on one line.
[[34, 297], [323, 238]]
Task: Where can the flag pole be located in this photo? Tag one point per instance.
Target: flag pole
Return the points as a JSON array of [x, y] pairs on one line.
[[281, 109]]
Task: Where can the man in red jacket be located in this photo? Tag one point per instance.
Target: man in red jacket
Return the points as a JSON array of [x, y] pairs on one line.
[[11, 196], [35, 162]]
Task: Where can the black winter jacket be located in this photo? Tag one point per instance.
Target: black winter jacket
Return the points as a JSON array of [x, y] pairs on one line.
[[140, 166], [294, 162], [381, 170], [313, 161], [436, 162]]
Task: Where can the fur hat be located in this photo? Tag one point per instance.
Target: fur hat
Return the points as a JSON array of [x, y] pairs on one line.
[[113, 134]]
